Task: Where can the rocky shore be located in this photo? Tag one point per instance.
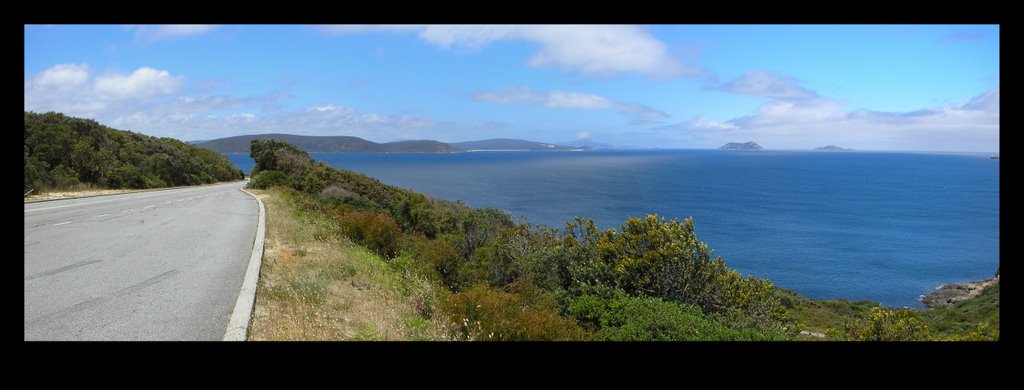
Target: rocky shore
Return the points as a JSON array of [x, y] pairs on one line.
[[951, 294]]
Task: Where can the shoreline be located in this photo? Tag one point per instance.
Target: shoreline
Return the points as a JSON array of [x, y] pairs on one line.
[[953, 293]]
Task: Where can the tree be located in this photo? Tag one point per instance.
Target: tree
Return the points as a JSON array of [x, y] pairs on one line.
[[652, 257]]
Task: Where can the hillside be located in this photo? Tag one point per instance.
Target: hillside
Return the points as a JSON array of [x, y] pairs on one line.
[[741, 146], [328, 144], [63, 152], [509, 144]]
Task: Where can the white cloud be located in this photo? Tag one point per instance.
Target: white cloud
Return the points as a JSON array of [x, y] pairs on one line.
[[582, 135], [972, 125], [571, 100], [766, 84], [329, 119], [326, 107], [591, 50], [63, 76], [151, 34], [702, 122], [156, 102], [144, 82]]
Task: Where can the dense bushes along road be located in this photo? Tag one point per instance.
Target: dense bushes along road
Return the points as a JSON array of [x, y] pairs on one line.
[[63, 152]]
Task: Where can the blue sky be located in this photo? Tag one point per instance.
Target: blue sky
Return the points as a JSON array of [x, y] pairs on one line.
[[888, 87]]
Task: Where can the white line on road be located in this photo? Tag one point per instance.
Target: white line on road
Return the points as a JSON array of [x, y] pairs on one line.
[[62, 223]]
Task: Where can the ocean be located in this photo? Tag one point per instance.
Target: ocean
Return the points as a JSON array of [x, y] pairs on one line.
[[887, 227]]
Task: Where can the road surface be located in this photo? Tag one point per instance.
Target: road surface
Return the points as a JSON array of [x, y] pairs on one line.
[[161, 265]]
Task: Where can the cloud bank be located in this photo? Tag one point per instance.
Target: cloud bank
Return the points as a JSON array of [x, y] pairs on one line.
[[796, 117], [589, 50], [160, 103], [572, 100]]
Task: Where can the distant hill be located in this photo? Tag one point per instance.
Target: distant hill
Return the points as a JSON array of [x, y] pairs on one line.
[[329, 144], [509, 144], [833, 148], [741, 146]]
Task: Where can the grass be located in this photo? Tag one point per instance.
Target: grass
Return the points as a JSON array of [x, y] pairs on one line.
[[818, 316], [315, 285], [965, 316]]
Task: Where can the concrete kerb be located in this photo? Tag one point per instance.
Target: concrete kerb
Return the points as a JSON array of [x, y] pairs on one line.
[[238, 326]]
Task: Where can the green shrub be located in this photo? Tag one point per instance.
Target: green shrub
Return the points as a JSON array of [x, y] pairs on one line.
[[524, 312], [267, 179], [624, 318], [426, 256], [884, 324], [652, 257], [376, 231], [64, 177]]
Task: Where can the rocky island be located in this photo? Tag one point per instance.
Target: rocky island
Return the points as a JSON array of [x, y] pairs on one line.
[[741, 146], [833, 148]]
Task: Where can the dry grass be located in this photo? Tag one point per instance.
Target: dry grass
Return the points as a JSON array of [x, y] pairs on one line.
[[62, 194], [329, 288]]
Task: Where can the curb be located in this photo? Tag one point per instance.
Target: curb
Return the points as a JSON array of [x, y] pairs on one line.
[[238, 326]]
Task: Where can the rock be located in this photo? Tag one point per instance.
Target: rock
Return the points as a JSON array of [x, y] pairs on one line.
[[951, 294]]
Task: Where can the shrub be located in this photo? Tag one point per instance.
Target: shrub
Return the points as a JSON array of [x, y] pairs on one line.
[[64, 177], [426, 256], [524, 312], [272, 154], [267, 179], [376, 231], [624, 318], [661, 259], [884, 325]]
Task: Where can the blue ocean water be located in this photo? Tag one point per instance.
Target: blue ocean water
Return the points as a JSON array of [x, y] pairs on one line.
[[887, 227]]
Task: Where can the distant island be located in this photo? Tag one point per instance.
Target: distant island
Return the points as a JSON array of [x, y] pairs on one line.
[[833, 148], [328, 144], [741, 146], [510, 144], [349, 144]]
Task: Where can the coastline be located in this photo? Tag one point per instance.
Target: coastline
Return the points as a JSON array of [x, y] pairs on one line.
[[953, 293]]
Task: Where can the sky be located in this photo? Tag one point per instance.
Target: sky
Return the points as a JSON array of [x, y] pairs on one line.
[[866, 87]]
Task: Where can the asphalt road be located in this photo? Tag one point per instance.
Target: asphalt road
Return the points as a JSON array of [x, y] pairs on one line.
[[161, 265]]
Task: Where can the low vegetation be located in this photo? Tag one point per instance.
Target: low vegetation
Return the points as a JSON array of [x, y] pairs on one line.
[[67, 153], [461, 273], [317, 285]]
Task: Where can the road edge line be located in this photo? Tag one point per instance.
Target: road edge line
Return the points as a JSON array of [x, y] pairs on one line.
[[238, 326]]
